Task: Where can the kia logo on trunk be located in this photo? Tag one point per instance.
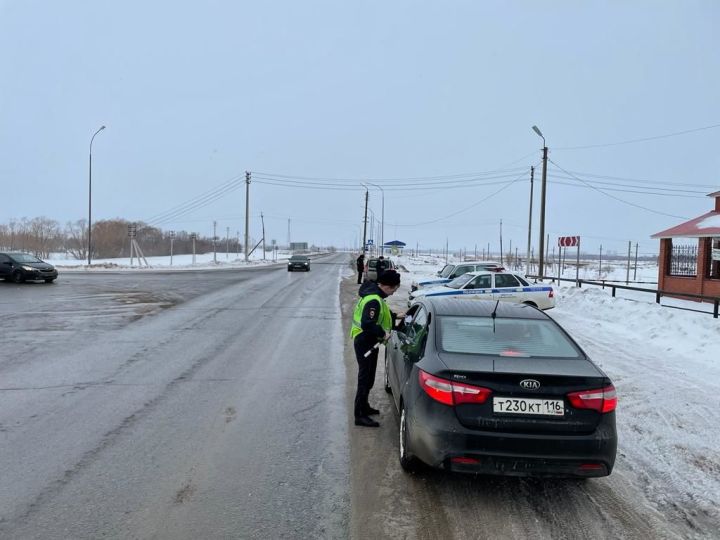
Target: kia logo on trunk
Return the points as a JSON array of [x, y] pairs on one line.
[[530, 384]]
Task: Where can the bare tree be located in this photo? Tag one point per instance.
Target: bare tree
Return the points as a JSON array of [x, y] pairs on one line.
[[76, 238]]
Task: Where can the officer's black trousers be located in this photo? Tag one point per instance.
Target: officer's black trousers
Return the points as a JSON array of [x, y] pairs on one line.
[[366, 374], [360, 274]]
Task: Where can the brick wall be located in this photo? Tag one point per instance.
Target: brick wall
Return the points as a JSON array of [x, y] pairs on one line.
[[688, 285]]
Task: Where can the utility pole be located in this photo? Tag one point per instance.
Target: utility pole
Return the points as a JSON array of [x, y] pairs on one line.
[[501, 248], [636, 257], [247, 213], [172, 239], [288, 233], [238, 245], [227, 242], [627, 275], [364, 248], [215, 242], [263, 228], [541, 263], [532, 176], [600, 270]]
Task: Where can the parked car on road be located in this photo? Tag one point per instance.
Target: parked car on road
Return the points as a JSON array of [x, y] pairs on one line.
[[451, 271], [376, 266], [492, 285], [299, 262], [495, 388], [19, 267]]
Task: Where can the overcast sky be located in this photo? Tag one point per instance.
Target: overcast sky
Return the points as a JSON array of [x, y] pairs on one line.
[[313, 97]]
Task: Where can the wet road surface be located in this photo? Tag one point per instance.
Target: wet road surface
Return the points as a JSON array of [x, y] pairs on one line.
[[178, 405]]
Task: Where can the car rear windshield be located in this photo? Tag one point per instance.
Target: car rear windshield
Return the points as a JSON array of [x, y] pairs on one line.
[[298, 258], [506, 337]]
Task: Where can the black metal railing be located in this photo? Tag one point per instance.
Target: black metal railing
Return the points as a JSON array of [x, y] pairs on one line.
[[657, 292], [683, 260]]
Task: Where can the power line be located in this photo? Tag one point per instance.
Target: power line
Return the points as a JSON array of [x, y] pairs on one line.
[[632, 141], [435, 186], [466, 208], [653, 182], [616, 198], [556, 182], [456, 177], [195, 203]]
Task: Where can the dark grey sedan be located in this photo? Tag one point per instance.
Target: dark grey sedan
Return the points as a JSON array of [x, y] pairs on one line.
[[299, 262], [19, 267], [496, 388]]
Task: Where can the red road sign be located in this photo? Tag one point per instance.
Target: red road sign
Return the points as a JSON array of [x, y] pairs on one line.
[[568, 241]]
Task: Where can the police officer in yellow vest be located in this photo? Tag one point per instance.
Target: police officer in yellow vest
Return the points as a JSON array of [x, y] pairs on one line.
[[372, 322]]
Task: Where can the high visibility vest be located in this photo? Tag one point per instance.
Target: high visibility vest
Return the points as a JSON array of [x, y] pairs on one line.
[[385, 319]]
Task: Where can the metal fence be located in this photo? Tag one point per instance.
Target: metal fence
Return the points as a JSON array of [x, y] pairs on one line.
[[683, 260], [657, 292]]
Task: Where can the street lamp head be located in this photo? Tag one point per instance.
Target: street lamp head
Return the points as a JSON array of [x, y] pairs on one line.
[[537, 130], [101, 128]]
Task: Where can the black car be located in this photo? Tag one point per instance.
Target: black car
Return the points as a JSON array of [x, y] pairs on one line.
[[19, 267], [299, 262], [497, 388]]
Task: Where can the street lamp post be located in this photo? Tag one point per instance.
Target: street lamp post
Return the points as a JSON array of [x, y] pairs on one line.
[[90, 198], [541, 255], [382, 218]]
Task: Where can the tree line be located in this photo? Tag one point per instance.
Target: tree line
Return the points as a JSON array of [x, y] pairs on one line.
[[42, 236]]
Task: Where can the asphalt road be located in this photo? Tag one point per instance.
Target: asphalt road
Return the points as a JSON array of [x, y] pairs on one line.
[[174, 405], [185, 405]]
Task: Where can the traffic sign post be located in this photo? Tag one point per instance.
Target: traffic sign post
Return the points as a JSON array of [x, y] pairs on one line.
[[571, 241]]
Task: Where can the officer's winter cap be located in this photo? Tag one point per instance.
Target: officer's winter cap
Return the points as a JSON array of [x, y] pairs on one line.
[[389, 277]]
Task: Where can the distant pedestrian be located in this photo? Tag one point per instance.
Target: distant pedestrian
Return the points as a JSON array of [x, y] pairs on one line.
[[371, 325], [360, 263]]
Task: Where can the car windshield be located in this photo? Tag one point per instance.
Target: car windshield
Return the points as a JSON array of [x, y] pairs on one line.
[[459, 281], [505, 337], [24, 258], [447, 270], [299, 258]]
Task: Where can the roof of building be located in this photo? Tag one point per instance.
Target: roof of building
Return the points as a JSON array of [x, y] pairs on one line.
[[396, 243], [706, 225]]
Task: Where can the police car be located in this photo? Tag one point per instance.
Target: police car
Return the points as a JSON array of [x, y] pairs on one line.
[[451, 271], [493, 285]]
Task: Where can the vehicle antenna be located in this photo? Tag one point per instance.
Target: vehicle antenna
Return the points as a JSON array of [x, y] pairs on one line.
[[494, 314]]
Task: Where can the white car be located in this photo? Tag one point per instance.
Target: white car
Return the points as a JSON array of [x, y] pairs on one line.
[[493, 285], [451, 271]]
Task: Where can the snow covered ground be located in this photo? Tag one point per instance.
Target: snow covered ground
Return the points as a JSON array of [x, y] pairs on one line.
[[665, 364], [178, 262]]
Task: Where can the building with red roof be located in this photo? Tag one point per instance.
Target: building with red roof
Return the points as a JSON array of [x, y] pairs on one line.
[[690, 255]]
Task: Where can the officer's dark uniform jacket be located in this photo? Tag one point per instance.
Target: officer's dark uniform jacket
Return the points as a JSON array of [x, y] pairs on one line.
[[370, 319]]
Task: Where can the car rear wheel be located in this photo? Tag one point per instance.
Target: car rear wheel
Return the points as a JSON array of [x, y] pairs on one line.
[[49, 280], [408, 462], [18, 277], [528, 303], [387, 379]]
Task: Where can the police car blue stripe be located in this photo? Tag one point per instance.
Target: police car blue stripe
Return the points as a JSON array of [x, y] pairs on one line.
[[489, 291]]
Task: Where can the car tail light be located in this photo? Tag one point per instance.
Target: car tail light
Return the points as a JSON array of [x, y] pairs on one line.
[[551, 294], [462, 460], [603, 400], [450, 392]]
